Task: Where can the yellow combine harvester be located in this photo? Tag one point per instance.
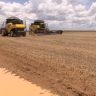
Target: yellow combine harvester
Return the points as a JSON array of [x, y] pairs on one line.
[[39, 26], [13, 27]]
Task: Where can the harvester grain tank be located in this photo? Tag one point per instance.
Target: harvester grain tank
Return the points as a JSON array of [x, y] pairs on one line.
[[39, 26], [13, 27]]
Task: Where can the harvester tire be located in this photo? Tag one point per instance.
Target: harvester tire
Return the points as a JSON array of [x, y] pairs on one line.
[[3, 32], [24, 34], [11, 34], [60, 31]]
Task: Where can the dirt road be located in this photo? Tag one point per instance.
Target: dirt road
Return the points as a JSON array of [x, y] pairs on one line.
[[64, 64]]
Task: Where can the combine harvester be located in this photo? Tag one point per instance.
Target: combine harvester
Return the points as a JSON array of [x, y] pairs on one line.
[[40, 27], [13, 26]]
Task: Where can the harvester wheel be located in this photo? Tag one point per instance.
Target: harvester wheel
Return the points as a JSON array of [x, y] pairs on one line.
[[24, 34], [3, 32], [60, 31], [11, 34]]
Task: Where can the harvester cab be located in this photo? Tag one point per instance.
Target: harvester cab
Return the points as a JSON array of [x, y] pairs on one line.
[[40, 23], [14, 27], [39, 26]]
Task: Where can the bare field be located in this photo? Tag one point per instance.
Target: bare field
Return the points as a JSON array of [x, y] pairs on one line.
[[64, 64]]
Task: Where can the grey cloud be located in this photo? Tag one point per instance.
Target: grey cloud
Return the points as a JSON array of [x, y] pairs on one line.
[[57, 1]]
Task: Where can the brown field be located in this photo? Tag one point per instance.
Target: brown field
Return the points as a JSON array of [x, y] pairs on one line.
[[64, 64]]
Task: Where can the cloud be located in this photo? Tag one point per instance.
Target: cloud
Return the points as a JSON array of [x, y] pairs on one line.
[[69, 14], [16, 9], [59, 14]]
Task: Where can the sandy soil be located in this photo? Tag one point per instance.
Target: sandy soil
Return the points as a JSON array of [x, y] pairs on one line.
[[64, 64], [11, 85]]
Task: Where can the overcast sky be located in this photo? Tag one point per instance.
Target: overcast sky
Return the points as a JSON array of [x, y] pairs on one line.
[[59, 14]]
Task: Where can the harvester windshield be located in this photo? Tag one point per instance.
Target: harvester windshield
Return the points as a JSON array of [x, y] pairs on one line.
[[41, 23], [14, 20]]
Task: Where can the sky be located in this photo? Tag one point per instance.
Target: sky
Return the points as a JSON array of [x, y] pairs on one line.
[[18, 1], [59, 14]]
